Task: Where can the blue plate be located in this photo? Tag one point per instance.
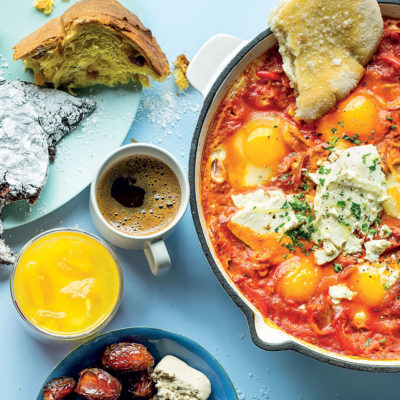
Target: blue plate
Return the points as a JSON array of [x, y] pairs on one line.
[[160, 343], [81, 152]]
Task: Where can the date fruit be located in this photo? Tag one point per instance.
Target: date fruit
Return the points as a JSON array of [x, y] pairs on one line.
[[142, 386], [58, 388], [96, 384], [127, 357]]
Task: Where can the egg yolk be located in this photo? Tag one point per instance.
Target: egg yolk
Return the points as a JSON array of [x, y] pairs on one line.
[[368, 286], [255, 150], [394, 192], [297, 279], [358, 117], [264, 146]]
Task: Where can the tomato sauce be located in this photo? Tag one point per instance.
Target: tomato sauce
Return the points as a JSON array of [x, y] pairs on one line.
[[367, 328]]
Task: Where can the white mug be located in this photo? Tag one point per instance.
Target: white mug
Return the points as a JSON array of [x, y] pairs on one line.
[[153, 244]]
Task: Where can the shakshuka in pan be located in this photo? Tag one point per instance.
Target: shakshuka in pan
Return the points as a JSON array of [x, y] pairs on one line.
[[304, 217]]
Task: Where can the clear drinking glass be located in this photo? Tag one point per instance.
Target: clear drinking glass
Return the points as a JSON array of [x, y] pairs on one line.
[[44, 334]]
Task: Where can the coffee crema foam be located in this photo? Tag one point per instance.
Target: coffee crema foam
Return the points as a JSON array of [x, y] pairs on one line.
[[139, 195]]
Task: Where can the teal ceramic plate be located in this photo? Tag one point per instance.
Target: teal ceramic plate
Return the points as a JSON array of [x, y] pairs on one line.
[[160, 343], [80, 153]]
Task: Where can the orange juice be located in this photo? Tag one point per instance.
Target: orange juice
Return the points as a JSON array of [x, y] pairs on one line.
[[67, 283]]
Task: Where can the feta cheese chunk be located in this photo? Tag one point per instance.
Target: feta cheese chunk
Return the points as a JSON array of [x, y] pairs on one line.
[[350, 190], [264, 212], [175, 380], [340, 292], [385, 231], [374, 248]]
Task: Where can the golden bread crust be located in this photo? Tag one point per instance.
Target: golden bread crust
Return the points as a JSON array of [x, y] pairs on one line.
[[49, 34], [181, 65], [109, 13], [324, 46]]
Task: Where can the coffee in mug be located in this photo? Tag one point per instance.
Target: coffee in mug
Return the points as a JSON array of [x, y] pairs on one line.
[[139, 195]]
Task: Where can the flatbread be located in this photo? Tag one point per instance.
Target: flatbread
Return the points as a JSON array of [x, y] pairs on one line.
[[324, 45]]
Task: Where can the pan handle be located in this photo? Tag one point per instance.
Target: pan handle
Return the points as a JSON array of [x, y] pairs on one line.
[[211, 59]]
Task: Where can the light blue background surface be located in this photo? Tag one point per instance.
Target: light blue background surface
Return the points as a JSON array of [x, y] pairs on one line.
[[189, 300]]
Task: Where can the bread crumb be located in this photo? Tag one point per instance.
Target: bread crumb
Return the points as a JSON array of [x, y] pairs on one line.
[[45, 6], [181, 64]]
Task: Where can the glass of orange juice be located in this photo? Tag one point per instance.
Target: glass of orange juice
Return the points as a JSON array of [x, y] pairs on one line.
[[66, 284]]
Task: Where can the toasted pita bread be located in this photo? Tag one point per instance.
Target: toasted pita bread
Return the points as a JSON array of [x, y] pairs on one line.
[[324, 45]]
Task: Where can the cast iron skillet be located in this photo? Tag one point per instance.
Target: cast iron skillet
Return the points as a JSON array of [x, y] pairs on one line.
[[263, 333]]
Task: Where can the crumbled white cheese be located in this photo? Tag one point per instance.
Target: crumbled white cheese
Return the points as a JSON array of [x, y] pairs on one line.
[[264, 212], [385, 231], [388, 275], [340, 292], [175, 380], [350, 190], [374, 248]]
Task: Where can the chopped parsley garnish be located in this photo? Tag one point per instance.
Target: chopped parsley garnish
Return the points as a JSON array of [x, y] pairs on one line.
[[341, 124], [302, 210], [352, 139], [364, 227], [342, 221], [321, 181], [386, 286], [393, 127], [364, 157], [304, 186], [356, 210], [368, 342], [322, 170], [289, 246], [373, 166], [341, 203], [284, 177], [337, 267], [382, 341], [389, 118], [331, 144], [279, 227]]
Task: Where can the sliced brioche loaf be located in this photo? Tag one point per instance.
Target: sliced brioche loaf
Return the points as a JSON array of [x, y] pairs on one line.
[[93, 42]]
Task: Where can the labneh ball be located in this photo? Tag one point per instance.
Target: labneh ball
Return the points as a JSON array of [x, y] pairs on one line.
[[175, 380]]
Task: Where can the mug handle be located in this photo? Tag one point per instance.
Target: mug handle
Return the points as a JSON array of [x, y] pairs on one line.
[[157, 257]]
